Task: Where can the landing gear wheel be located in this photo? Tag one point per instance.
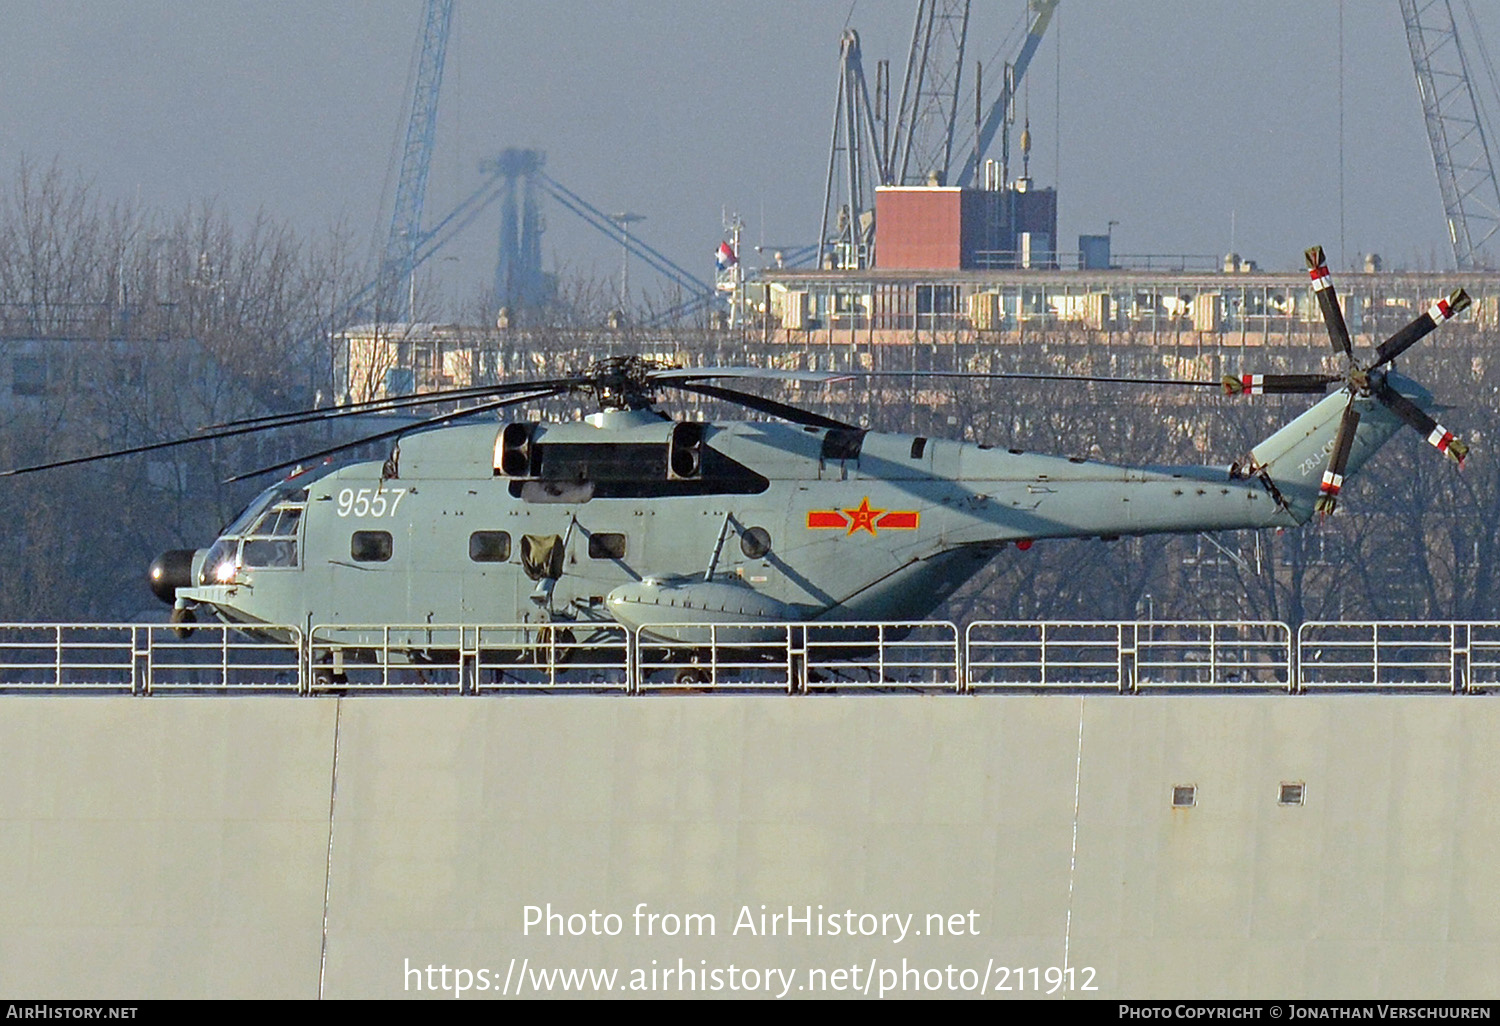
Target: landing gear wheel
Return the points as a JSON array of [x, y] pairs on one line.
[[689, 675], [554, 646], [183, 615], [326, 676]]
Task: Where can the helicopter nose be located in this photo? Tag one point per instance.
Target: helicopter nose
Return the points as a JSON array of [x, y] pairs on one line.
[[169, 571]]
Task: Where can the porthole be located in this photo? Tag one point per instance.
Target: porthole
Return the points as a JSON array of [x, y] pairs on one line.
[[755, 543]]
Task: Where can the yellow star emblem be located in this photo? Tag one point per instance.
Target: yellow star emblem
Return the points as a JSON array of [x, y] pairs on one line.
[[862, 518]]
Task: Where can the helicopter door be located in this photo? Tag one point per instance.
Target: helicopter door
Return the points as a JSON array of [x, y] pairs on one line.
[[839, 458], [491, 587]]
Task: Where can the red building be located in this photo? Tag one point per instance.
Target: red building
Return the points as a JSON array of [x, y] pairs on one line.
[[933, 228]]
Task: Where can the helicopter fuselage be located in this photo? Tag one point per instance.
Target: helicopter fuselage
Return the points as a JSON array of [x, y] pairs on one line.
[[632, 517]]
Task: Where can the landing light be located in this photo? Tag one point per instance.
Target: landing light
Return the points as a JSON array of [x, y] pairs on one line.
[[224, 572]]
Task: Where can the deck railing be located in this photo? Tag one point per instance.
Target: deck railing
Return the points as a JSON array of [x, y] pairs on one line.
[[1121, 657]]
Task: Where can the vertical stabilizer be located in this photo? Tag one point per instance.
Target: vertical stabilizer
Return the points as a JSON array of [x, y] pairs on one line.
[[1295, 457]]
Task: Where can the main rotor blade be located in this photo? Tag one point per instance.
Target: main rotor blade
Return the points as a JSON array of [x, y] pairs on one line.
[[1437, 314], [1018, 376], [1439, 437], [1278, 384], [430, 422], [1328, 302], [205, 436], [394, 402], [671, 374], [250, 425], [1333, 477], [760, 403]]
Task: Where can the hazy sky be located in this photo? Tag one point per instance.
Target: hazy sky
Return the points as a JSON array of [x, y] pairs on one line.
[[1196, 126]]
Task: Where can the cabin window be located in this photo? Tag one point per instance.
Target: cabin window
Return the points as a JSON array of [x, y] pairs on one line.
[[370, 546], [489, 546], [606, 546]]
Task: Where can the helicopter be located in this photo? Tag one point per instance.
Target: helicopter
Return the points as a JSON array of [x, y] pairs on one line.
[[631, 517]]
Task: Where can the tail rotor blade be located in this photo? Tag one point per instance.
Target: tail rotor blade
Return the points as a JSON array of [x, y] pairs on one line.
[[1278, 384], [1328, 302], [1438, 313], [1439, 437], [1333, 477]]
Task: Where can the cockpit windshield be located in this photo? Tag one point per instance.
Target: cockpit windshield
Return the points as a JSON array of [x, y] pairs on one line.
[[272, 539], [264, 535], [292, 489]]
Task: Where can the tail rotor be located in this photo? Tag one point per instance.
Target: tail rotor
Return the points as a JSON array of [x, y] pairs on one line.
[[1359, 380]]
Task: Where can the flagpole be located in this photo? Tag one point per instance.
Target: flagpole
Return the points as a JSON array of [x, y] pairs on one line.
[[739, 276]]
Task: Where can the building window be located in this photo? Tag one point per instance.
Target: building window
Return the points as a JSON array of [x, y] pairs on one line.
[[28, 375], [489, 546], [1184, 796], [370, 546], [937, 299]]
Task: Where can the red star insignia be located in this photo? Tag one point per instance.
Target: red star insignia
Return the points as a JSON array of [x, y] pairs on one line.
[[862, 518]]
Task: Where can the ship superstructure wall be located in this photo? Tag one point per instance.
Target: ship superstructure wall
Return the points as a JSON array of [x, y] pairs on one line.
[[273, 847]]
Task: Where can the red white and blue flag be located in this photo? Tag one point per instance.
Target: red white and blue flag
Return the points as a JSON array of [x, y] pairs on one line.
[[724, 257]]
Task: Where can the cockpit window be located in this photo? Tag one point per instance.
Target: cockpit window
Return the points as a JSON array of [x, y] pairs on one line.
[[272, 541], [284, 492], [264, 536], [278, 523]]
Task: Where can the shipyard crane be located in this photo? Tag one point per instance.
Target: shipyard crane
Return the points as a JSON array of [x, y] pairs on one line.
[[849, 196], [929, 94], [394, 284], [495, 185], [1456, 126], [684, 279], [520, 283], [1000, 111], [862, 152], [860, 156]]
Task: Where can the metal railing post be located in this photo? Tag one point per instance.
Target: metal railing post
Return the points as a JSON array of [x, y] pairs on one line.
[[632, 662]]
